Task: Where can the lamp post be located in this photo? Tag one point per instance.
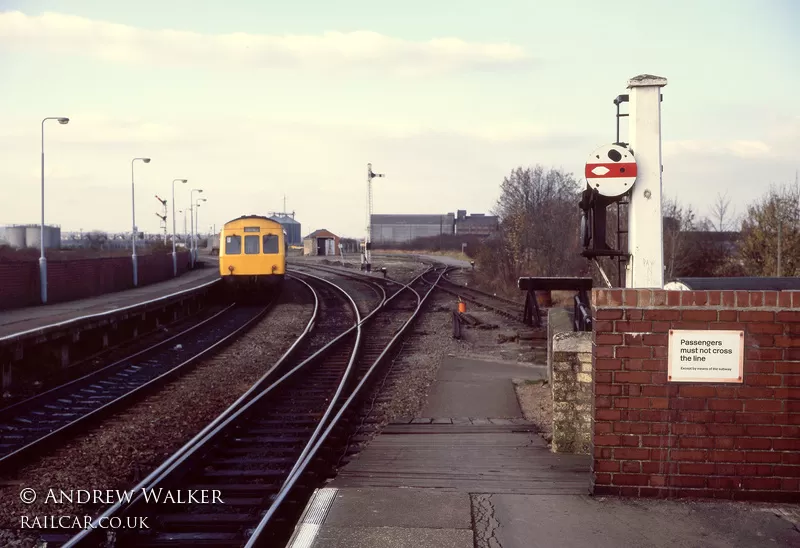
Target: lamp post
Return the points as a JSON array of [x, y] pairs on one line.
[[42, 260], [174, 253], [133, 216], [197, 223], [191, 221]]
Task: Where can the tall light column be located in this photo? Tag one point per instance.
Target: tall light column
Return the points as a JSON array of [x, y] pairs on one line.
[[174, 253], [191, 221], [42, 260], [133, 216]]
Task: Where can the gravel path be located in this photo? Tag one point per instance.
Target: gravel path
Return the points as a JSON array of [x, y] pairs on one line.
[[536, 401], [124, 449]]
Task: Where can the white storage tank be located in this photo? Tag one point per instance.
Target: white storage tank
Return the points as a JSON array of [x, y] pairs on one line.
[[52, 237], [13, 236], [32, 236]]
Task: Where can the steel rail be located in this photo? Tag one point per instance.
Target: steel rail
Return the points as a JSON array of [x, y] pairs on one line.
[[6, 461], [283, 493], [16, 407], [135, 493]]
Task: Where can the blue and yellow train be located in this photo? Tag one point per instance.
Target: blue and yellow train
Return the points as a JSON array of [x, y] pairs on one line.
[[252, 257]]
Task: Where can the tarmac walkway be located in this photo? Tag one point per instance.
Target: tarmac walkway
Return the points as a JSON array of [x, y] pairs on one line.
[[34, 317], [472, 473]]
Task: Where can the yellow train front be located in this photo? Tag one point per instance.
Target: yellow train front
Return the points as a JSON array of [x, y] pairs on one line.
[[252, 257]]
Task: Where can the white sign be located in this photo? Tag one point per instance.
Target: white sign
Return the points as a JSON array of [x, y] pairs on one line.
[[611, 169], [705, 356]]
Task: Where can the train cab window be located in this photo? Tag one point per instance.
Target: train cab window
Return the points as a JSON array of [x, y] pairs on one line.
[[233, 245], [270, 243], [251, 245]]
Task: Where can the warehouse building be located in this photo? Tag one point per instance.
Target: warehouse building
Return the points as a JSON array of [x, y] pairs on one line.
[[477, 224], [405, 228], [388, 229], [291, 226]]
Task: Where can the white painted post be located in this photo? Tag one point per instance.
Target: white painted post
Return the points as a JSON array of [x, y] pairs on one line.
[[645, 231]]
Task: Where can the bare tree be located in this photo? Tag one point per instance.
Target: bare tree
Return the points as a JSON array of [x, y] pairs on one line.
[[723, 218], [677, 219], [539, 227], [771, 233], [96, 239]]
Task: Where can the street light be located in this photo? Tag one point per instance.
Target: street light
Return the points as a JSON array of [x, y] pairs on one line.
[[174, 253], [197, 222], [191, 221], [133, 216], [42, 259]]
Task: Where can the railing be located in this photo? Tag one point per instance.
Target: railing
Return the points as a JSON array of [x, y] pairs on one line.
[[582, 312]]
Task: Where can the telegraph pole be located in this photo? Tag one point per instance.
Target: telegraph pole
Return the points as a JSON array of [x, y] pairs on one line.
[[366, 259]]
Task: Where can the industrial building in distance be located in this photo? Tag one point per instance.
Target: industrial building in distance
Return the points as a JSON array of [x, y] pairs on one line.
[[290, 225], [388, 229]]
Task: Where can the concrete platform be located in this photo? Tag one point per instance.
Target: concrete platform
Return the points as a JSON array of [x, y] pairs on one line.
[[37, 317], [471, 480], [478, 388]]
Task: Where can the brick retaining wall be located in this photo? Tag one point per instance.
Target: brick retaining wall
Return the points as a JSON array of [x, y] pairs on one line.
[[660, 439], [82, 278], [572, 392]]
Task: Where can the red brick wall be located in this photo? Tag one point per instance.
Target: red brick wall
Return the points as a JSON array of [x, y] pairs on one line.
[[82, 278], [19, 284], [660, 439], [78, 279]]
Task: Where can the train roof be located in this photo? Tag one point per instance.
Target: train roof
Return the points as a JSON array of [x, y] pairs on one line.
[[259, 218]]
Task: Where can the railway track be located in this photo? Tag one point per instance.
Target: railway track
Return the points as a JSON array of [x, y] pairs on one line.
[[505, 307], [37, 424], [257, 455], [353, 283]]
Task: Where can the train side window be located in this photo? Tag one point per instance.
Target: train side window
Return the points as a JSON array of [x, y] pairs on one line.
[[251, 245], [270, 243], [233, 245]]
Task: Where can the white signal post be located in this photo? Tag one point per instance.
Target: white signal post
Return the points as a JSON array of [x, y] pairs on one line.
[[645, 269]]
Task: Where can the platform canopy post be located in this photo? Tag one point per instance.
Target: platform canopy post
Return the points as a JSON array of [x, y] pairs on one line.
[[645, 268]]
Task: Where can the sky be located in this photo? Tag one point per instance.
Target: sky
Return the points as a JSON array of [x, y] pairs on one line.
[[254, 100]]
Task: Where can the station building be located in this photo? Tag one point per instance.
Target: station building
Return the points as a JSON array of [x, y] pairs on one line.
[[321, 242]]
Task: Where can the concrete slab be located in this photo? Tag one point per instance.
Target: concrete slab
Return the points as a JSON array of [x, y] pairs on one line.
[[477, 388], [421, 508], [393, 537], [517, 521]]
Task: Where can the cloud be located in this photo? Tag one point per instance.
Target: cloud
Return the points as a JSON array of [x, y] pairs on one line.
[[331, 51]]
